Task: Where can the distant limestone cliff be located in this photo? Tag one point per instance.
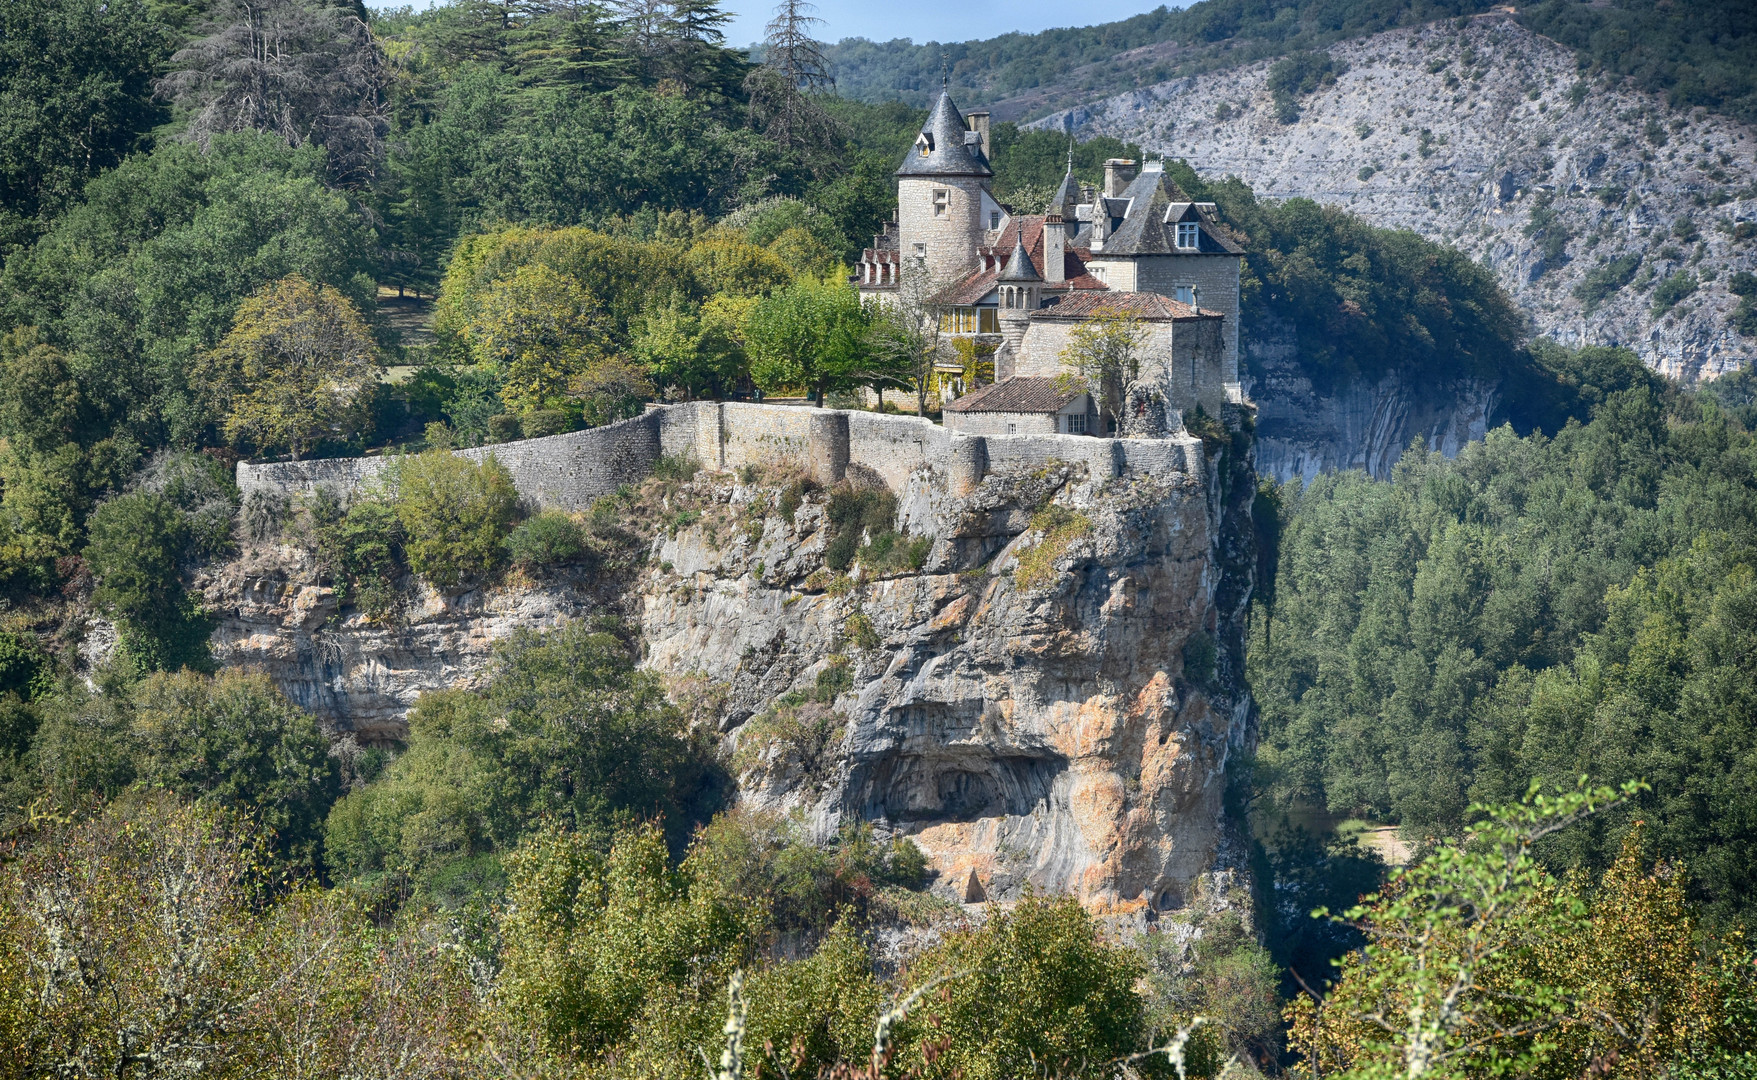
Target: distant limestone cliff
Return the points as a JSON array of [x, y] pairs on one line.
[[1610, 219]]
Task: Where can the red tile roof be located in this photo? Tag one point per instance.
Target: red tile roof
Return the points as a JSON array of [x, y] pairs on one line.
[[1074, 259], [1020, 394]]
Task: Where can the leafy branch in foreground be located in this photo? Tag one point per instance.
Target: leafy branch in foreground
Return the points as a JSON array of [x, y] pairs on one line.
[[1480, 963]]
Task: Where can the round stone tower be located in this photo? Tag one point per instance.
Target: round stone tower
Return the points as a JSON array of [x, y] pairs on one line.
[[940, 189]]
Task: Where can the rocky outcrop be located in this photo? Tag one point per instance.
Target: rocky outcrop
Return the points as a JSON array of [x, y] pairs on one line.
[[1042, 705], [1039, 679], [1484, 137], [360, 675]]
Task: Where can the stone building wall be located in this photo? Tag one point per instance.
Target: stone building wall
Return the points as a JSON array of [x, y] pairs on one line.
[[1215, 278], [1002, 423]]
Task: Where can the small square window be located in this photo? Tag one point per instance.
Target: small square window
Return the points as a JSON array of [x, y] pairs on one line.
[[1186, 294], [1012, 429], [942, 201], [1188, 234]]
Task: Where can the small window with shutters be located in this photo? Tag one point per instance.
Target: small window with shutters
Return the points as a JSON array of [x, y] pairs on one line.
[[1186, 294]]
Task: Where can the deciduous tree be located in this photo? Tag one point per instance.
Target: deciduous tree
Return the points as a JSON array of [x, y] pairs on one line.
[[294, 370]]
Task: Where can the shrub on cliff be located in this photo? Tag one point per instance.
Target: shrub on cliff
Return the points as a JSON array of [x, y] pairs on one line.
[[456, 515], [547, 539]]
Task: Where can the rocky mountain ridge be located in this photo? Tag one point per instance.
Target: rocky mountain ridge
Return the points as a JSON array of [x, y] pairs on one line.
[[1486, 138]]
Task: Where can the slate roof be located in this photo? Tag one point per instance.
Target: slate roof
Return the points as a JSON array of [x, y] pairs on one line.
[[952, 149], [1148, 307], [1152, 214], [1019, 394], [1019, 266]]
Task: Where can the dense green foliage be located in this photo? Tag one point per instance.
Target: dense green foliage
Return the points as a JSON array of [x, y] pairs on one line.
[[75, 97], [231, 741], [1538, 607]]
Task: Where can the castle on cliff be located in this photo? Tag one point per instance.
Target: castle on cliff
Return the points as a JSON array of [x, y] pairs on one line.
[[1021, 283]]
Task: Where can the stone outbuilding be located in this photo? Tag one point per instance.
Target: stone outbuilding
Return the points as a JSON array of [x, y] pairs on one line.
[[1023, 406]]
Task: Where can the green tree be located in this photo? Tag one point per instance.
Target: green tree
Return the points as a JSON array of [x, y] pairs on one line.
[[811, 336], [542, 330], [135, 548], [235, 741], [1478, 962], [1035, 985], [1103, 357], [563, 728], [295, 369], [75, 98], [148, 272], [455, 515]]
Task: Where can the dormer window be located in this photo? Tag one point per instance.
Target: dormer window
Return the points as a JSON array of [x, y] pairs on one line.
[[1189, 235], [924, 143]]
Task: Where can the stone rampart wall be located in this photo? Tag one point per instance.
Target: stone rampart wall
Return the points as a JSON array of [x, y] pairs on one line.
[[569, 471]]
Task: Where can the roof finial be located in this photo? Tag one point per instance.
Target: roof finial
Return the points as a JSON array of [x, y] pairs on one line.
[[1070, 155], [945, 73]]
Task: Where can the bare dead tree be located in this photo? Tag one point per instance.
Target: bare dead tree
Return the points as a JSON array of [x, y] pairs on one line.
[[292, 68], [794, 72]]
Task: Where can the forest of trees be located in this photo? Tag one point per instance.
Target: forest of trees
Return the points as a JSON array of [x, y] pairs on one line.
[[205, 208]]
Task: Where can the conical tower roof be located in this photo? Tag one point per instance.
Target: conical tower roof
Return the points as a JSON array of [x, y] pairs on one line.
[[1019, 266], [941, 149], [1068, 195]]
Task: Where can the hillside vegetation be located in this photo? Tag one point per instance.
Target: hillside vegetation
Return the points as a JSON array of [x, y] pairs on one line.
[[1702, 52], [202, 206]]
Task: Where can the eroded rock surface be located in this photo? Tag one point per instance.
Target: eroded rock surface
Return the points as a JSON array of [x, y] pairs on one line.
[[1041, 683], [1478, 137]]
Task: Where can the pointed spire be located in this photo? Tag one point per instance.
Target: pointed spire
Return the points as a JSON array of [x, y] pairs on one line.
[[1068, 195], [1019, 266]]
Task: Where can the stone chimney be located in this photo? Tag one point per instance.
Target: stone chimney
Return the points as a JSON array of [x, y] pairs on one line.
[[1055, 246], [1118, 172], [979, 124]]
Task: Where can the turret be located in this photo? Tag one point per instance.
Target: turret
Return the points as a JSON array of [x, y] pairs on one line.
[[1021, 292], [942, 195]]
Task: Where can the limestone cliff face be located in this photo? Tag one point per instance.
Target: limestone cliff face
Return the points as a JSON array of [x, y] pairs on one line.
[[358, 675], [1477, 138], [1303, 430], [1036, 727], [1050, 699]]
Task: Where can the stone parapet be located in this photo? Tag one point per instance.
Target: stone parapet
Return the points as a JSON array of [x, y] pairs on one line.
[[569, 471]]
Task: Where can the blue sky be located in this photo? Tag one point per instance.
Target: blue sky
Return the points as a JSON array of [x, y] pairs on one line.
[[921, 20]]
